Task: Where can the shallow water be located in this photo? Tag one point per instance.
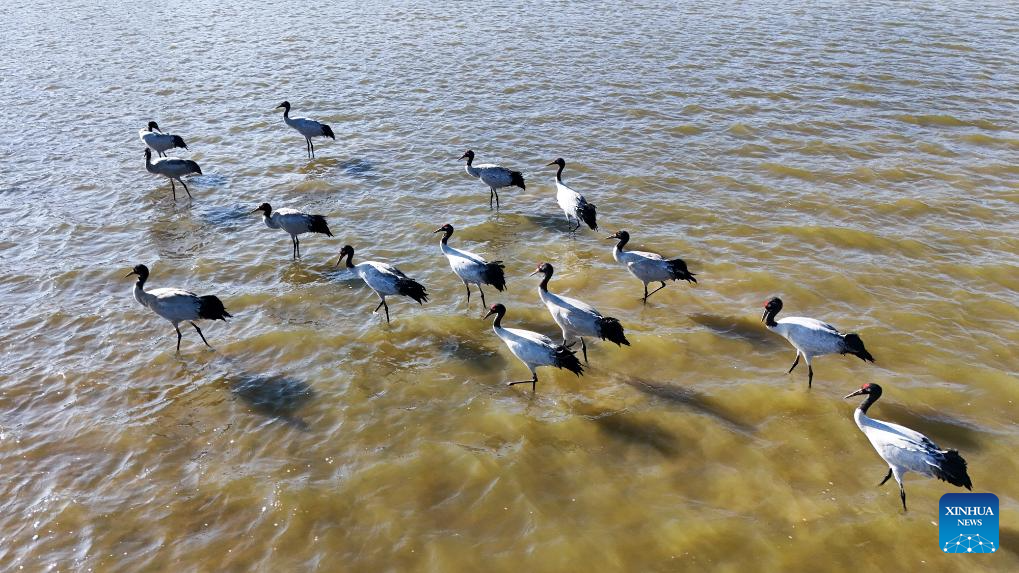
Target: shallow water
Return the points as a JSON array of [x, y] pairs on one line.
[[859, 161]]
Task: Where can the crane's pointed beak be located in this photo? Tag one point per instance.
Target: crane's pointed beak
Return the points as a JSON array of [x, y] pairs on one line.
[[338, 261], [255, 210], [129, 274], [490, 313], [551, 164], [764, 317], [611, 237], [534, 273], [857, 393], [437, 231], [464, 156]]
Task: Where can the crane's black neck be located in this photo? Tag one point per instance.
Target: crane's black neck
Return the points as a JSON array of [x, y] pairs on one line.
[[871, 398], [498, 319], [470, 159], [544, 282], [445, 236], [140, 284], [622, 242], [350, 259], [559, 173], [769, 318]]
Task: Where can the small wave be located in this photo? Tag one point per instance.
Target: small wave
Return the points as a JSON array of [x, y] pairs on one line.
[[790, 171], [945, 120]]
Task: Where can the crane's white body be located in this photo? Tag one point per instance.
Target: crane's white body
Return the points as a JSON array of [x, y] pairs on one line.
[[647, 267], [380, 277], [307, 127], [531, 348], [569, 201], [292, 221], [494, 176], [470, 267], [810, 337], [156, 140], [173, 304], [904, 450], [172, 167], [575, 318]]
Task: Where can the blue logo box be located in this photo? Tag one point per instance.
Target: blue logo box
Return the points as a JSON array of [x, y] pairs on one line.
[[968, 523]]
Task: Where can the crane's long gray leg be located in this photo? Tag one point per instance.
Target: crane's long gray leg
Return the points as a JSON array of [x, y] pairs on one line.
[[795, 362], [468, 287], [179, 336], [902, 494], [887, 477], [173, 188], [202, 335], [186, 188], [583, 346], [810, 376], [312, 144], [293, 247], [297, 242], [654, 291], [482, 291], [533, 381], [645, 294], [491, 196], [386, 306], [496, 193]]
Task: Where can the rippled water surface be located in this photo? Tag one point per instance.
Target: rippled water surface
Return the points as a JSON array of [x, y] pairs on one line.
[[860, 161]]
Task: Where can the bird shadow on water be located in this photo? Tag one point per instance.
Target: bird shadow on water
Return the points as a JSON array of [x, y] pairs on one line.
[[689, 399], [272, 395], [1009, 540], [738, 328], [358, 168], [631, 429], [549, 223], [232, 216]]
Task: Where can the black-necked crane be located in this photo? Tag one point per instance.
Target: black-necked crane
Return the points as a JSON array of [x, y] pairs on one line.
[[577, 319], [812, 338], [177, 305], [385, 280], [158, 141], [906, 450], [294, 222], [649, 267], [309, 128], [173, 169], [573, 204], [494, 176], [533, 349], [470, 267]]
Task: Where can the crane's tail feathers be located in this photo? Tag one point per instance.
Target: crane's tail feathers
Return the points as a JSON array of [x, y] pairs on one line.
[[411, 288], [318, 225], [679, 271], [493, 275], [953, 470], [566, 358], [854, 346], [517, 179], [211, 308], [587, 213], [610, 329], [328, 132], [178, 141]]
